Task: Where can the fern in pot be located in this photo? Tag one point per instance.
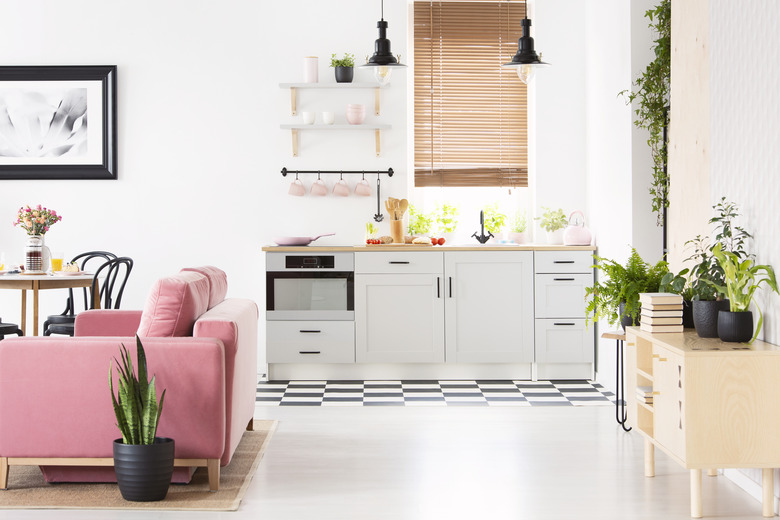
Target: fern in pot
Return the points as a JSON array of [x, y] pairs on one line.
[[143, 462]]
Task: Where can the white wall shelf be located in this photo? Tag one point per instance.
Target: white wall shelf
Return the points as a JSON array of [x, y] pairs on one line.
[[296, 127], [295, 86]]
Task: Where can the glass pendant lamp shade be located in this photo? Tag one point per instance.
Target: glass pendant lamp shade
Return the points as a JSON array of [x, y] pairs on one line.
[[383, 60], [526, 61]]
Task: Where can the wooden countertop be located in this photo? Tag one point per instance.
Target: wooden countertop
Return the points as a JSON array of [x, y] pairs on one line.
[[688, 342], [411, 247]]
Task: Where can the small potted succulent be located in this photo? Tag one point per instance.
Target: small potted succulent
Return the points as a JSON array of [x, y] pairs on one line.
[[742, 279], [344, 67], [616, 299], [518, 225], [553, 222]]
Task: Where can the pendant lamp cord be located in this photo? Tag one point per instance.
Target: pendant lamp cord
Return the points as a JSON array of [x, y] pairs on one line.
[[383, 9]]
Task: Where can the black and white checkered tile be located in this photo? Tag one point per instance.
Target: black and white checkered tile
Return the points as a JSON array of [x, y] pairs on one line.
[[433, 393]]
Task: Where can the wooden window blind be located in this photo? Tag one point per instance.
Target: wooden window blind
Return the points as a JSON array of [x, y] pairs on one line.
[[470, 125]]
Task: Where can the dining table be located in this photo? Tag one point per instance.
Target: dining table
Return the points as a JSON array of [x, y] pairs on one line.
[[40, 282]]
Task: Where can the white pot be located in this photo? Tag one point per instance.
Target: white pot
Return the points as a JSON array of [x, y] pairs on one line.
[[519, 238], [555, 238]]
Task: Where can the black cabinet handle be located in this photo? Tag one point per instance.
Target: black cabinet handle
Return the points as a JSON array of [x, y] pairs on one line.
[[556, 324], [309, 352], [309, 331], [563, 261], [399, 262], [450, 286], [563, 279], [438, 287]]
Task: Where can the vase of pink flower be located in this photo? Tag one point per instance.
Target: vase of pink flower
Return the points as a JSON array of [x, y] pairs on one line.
[[36, 222]]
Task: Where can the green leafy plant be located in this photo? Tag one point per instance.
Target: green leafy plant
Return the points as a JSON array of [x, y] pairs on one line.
[[706, 274], [677, 283], [419, 222], [494, 219], [651, 94], [135, 403], [446, 218], [371, 230], [742, 279], [552, 219], [347, 61], [623, 285], [518, 223]]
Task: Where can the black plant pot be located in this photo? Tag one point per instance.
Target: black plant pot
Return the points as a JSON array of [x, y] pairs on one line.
[[143, 471], [626, 321], [687, 314], [705, 317], [344, 74], [735, 326]]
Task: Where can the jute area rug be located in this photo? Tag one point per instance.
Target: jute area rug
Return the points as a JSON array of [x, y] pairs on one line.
[[28, 490]]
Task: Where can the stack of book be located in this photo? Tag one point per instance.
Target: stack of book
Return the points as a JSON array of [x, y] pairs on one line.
[[661, 312], [644, 394]]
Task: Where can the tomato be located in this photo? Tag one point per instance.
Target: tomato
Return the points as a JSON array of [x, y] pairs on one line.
[[441, 241], [434, 241], [368, 241]]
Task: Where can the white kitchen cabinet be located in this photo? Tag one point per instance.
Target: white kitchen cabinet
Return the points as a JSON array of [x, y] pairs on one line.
[[310, 341], [564, 345], [399, 318], [489, 307]]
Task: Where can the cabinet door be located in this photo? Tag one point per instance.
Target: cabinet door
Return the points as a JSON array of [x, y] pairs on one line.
[[310, 341], [563, 341], [398, 318], [561, 295], [668, 413], [489, 306]]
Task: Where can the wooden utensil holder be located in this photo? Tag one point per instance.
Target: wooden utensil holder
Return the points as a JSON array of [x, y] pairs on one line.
[[397, 231]]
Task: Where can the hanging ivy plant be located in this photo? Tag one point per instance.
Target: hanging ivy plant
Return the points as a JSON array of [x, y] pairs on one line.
[[651, 94]]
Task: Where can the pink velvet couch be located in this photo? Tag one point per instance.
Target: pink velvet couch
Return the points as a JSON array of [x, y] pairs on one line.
[[55, 405]]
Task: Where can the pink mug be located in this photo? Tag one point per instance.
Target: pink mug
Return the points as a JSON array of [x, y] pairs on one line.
[[319, 188], [297, 188], [341, 188], [363, 188]]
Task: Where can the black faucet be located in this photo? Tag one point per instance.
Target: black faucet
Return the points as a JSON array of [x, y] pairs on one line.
[[482, 238]]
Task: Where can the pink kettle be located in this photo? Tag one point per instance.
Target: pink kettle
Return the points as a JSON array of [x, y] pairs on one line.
[[576, 234]]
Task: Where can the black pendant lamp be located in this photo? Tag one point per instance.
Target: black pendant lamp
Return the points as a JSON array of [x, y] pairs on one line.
[[383, 60], [526, 60]]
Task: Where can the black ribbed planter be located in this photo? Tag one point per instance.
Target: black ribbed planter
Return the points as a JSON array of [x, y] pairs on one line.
[[626, 321], [705, 317], [344, 74], [143, 471], [735, 326]]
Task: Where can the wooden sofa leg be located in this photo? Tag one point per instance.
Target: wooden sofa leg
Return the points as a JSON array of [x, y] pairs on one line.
[[213, 469], [3, 472], [251, 426]]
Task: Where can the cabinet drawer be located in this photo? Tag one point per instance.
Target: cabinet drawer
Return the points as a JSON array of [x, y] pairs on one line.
[[561, 295], [413, 262], [563, 261], [563, 341], [310, 341]]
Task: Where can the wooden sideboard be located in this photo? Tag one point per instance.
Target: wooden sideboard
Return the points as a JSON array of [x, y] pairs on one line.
[[714, 405]]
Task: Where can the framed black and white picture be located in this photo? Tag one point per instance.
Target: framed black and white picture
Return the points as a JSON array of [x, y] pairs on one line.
[[58, 122]]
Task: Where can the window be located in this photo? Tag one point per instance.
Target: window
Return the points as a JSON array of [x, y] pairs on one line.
[[469, 113]]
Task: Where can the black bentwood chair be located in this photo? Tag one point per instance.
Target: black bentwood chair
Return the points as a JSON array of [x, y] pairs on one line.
[[9, 328]]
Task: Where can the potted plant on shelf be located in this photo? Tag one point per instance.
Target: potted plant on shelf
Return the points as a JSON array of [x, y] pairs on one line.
[[445, 218], [143, 462], [616, 299], [742, 279], [344, 67], [494, 220], [706, 274], [680, 284], [553, 222], [518, 225], [419, 222]]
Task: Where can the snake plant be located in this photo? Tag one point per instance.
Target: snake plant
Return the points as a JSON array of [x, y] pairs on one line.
[[135, 403]]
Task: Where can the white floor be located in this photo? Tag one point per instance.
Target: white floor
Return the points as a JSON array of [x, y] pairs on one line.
[[456, 463]]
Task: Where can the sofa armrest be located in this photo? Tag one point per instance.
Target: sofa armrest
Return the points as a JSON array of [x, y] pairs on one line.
[[55, 400], [107, 322]]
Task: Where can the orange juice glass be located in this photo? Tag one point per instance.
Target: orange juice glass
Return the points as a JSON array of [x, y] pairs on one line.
[[56, 263]]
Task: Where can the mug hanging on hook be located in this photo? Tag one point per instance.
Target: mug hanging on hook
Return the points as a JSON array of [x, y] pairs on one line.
[[319, 188], [363, 188], [341, 188], [297, 189]]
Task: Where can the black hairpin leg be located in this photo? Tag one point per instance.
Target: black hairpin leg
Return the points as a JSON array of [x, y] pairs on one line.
[[621, 414]]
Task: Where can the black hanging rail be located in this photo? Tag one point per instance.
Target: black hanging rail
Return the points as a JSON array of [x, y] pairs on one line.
[[389, 172]]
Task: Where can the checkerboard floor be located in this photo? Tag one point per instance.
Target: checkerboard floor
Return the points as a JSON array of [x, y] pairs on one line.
[[433, 393]]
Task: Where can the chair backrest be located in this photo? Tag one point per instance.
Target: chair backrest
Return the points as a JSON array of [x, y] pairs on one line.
[[85, 260], [115, 273]]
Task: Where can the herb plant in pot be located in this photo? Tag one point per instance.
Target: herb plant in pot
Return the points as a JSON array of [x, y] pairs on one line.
[[344, 67], [143, 462], [420, 223], [445, 217], [616, 299], [518, 225], [742, 279], [679, 284], [553, 222], [494, 220]]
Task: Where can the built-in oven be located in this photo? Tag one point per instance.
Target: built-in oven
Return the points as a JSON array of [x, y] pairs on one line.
[[304, 286]]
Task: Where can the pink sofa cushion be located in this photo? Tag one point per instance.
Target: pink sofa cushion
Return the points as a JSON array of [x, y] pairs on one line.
[[217, 282], [173, 305]]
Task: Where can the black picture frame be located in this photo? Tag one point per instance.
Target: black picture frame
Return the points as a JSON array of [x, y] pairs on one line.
[[100, 81]]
